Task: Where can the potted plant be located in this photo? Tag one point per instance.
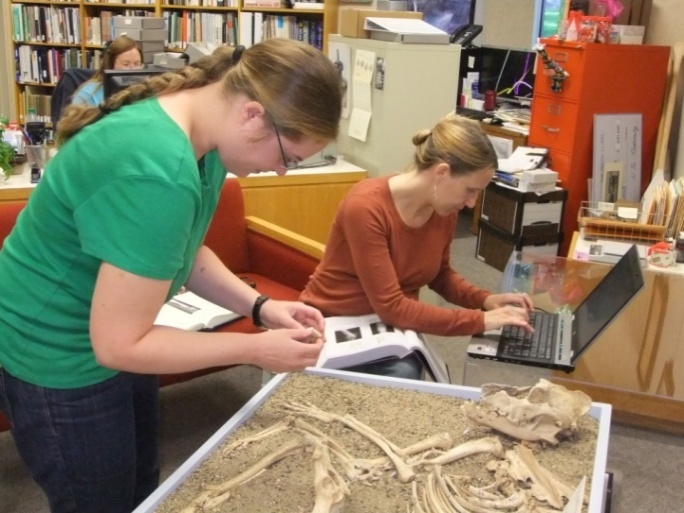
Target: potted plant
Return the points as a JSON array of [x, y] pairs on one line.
[[6, 151]]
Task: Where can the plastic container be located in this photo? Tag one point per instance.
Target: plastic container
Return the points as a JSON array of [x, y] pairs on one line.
[[34, 127]]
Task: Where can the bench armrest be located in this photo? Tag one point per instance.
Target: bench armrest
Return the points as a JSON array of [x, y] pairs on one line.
[[280, 254], [285, 236]]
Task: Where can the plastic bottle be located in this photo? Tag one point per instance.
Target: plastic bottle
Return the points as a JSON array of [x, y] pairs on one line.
[[31, 115], [35, 128]]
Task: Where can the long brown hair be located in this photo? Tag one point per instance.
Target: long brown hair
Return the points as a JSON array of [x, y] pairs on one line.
[[297, 84]]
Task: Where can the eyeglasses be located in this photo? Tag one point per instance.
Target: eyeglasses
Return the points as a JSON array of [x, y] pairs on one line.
[[287, 164]]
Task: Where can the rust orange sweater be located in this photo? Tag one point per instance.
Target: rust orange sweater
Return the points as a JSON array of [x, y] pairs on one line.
[[375, 263]]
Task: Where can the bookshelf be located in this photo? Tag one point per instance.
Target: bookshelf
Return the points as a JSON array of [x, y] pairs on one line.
[[50, 35]]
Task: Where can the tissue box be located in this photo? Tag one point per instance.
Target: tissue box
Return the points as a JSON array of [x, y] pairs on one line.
[[630, 34], [352, 20]]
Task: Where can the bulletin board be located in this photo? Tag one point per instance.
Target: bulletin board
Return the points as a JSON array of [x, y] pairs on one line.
[[617, 157]]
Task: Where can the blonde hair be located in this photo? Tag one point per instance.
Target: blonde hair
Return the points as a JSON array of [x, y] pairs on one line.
[[297, 85], [457, 141]]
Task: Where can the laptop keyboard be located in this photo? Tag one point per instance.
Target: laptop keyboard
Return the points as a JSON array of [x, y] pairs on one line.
[[520, 343]]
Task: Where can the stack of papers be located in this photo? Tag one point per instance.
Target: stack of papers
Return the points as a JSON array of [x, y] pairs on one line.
[[405, 30], [663, 204], [523, 158]]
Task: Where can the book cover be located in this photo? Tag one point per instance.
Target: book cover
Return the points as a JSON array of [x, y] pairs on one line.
[[188, 311], [362, 339]]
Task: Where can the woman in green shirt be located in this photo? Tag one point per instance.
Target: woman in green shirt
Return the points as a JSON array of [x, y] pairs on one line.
[[113, 230]]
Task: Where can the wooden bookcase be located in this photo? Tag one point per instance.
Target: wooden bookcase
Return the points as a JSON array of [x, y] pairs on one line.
[[37, 42]]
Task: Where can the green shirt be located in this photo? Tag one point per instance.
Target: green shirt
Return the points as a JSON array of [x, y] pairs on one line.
[[126, 190]]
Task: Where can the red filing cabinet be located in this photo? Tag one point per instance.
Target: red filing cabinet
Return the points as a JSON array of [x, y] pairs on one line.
[[603, 79]]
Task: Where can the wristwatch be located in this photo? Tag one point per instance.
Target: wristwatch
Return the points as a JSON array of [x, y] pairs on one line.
[[256, 311]]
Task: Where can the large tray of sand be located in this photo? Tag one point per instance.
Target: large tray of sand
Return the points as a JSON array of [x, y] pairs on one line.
[[331, 465]]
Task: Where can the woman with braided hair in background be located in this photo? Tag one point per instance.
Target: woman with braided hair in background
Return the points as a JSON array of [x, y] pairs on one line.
[[113, 230], [120, 53]]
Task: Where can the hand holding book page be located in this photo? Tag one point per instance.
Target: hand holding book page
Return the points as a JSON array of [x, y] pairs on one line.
[[352, 341], [188, 311]]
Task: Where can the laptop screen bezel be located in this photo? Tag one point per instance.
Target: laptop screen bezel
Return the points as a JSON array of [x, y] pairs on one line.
[[628, 266]]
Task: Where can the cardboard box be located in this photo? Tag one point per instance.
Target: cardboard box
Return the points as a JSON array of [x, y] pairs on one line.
[[495, 246], [141, 34], [152, 46], [138, 22], [537, 217], [169, 60], [352, 20], [630, 34]]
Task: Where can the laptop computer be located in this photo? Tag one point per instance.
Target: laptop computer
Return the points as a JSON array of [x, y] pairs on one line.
[[570, 333]]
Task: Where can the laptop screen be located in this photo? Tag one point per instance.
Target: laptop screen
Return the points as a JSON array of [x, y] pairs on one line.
[[603, 303]]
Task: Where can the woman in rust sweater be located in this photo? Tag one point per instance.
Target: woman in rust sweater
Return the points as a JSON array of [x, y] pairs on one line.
[[392, 235]]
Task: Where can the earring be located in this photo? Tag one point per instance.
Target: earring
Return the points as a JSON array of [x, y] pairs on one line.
[[435, 194]]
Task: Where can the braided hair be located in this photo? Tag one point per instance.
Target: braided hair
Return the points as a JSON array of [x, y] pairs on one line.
[[296, 83]]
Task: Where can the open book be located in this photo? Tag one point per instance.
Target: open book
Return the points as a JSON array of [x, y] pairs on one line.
[[188, 311], [353, 341]]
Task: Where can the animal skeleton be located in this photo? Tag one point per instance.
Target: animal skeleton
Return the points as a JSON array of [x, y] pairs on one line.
[[539, 490], [539, 413]]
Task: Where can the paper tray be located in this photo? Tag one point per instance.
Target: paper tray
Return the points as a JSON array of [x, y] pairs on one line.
[[600, 411]]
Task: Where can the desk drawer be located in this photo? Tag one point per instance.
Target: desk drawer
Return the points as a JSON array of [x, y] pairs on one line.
[[553, 123]]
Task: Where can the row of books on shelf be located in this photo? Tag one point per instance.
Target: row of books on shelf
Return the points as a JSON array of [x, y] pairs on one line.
[[40, 103], [100, 29], [137, 2], [46, 24], [257, 26], [299, 4], [204, 3], [46, 65], [215, 28]]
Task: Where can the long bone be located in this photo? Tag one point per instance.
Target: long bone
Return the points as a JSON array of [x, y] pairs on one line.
[[405, 473], [482, 445], [331, 489]]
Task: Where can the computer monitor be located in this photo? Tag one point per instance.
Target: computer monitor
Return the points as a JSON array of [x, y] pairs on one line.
[[116, 80], [446, 15], [508, 72]]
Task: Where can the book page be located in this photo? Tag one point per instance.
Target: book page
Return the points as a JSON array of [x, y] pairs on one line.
[[355, 340], [188, 311]]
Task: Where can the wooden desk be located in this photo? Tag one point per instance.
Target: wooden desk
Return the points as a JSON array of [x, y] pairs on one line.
[[18, 187], [637, 363], [304, 201]]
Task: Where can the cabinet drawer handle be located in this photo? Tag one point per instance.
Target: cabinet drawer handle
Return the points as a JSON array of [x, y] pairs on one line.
[[551, 130], [555, 109], [561, 56]]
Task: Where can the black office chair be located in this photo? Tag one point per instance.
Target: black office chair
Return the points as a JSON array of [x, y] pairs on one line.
[[71, 79]]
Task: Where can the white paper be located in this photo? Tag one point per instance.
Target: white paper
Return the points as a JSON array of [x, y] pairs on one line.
[[522, 159], [401, 26], [364, 65]]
